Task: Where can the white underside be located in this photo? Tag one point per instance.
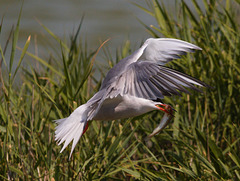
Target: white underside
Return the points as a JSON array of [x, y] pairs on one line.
[[71, 128], [124, 107]]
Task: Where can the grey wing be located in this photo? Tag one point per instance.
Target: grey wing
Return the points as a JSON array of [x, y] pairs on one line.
[[156, 50], [163, 50], [150, 80], [147, 78]]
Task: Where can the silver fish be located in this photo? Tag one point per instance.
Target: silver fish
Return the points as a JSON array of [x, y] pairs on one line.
[[167, 117]]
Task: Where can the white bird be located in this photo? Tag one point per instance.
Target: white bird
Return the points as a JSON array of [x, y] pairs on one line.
[[132, 87]]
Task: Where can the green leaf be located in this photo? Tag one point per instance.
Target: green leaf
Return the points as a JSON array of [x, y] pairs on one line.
[[14, 42], [212, 145], [22, 55], [235, 159], [16, 170], [45, 64], [2, 129], [134, 174]]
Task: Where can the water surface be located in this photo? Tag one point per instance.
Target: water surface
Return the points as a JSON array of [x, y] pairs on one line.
[[103, 19]]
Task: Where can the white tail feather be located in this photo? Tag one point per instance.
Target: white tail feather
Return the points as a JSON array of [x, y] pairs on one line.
[[71, 128]]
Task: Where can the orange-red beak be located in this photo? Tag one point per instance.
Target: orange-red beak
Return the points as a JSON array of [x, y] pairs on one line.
[[166, 108]]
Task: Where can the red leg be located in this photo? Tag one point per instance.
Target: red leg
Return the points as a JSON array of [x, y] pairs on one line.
[[85, 128]]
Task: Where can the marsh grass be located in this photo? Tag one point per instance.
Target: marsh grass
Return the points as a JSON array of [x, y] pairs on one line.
[[201, 143]]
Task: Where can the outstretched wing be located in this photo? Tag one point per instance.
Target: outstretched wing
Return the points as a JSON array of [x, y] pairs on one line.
[[163, 50], [160, 51], [151, 81], [142, 74]]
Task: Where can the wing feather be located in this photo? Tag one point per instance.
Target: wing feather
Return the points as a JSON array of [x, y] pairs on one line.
[[163, 50], [150, 80], [142, 75], [171, 89], [171, 84], [183, 79]]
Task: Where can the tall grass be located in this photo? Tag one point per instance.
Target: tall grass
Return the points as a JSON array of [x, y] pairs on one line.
[[202, 142]]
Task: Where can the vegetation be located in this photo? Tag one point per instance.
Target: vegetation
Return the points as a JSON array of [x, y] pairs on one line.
[[201, 143]]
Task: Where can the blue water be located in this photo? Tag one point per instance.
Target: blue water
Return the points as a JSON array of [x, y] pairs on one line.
[[103, 19]]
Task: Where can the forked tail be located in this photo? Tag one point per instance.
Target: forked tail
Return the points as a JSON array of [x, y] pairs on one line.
[[72, 127]]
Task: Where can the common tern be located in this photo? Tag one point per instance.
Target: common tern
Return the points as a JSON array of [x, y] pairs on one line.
[[133, 87]]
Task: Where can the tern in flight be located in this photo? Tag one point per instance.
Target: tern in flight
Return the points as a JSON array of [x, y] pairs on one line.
[[133, 87]]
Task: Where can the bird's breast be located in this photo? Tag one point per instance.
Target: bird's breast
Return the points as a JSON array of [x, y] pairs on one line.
[[124, 107]]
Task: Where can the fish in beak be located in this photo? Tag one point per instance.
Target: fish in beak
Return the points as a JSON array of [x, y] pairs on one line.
[[167, 117]]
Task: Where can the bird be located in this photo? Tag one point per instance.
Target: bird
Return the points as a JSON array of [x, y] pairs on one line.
[[134, 86]]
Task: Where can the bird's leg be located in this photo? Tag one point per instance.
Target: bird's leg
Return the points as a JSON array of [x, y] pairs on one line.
[[85, 128]]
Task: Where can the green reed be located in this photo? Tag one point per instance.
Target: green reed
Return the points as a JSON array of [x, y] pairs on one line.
[[201, 143]]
